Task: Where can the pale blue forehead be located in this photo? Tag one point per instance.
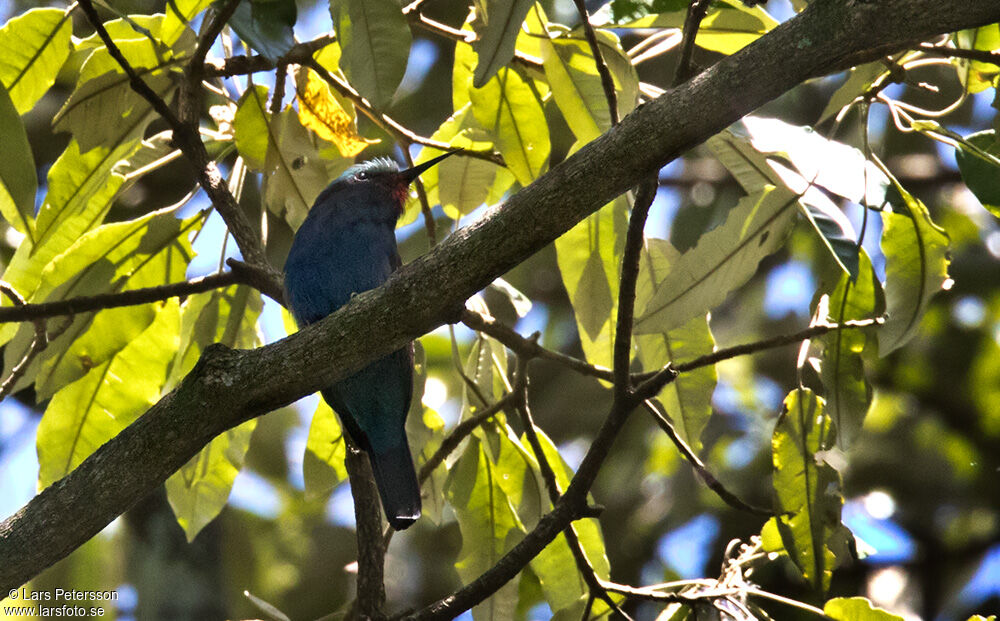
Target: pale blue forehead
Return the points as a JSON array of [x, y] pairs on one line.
[[375, 166]]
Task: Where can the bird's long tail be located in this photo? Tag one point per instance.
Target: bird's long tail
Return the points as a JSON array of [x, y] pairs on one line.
[[397, 485]]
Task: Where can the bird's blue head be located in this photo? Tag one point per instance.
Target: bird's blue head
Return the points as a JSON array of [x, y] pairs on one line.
[[382, 178]]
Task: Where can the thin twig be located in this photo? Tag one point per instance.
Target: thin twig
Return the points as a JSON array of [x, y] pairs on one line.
[[280, 75], [39, 342], [696, 12], [983, 56], [607, 81], [242, 65], [771, 343], [527, 347], [459, 433], [626, 290], [242, 275], [699, 466]]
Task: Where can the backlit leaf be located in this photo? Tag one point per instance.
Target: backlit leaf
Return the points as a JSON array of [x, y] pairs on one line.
[[106, 111], [499, 25], [179, 14], [724, 259], [323, 461], [688, 399], [980, 172], [115, 257], [856, 609], [375, 46], [507, 108], [33, 47], [807, 491], [199, 490], [589, 257], [93, 409], [555, 566], [251, 126], [18, 183], [916, 267], [728, 27], [488, 524], [848, 392], [80, 191]]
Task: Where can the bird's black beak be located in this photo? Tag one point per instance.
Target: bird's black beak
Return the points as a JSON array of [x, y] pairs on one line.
[[410, 174]]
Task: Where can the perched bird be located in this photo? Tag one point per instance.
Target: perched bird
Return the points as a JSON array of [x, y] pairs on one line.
[[346, 245]]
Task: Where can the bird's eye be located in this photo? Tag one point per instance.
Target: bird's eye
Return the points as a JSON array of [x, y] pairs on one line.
[[361, 176]]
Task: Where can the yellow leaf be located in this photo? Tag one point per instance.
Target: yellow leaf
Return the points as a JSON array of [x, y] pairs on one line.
[[320, 111]]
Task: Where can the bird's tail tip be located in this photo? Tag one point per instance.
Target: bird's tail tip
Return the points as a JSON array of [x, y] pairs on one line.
[[397, 486]]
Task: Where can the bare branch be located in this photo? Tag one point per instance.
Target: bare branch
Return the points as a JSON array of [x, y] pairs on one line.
[[696, 12], [132, 297], [228, 387], [626, 290], [699, 466], [368, 526]]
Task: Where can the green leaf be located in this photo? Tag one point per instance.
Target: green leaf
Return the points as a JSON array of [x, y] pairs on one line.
[[576, 86], [81, 189], [688, 399], [977, 76], [323, 461], [488, 524], [178, 18], [512, 115], [856, 609], [295, 171], [93, 409], [807, 491], [627, 10], [227, 316], [375, 43], [859, 80], [499, 23], [849, 394], [33, 47], [18, 183], [105, 111], [266, 26], [981, 174], [115, 257], [916, 267], [589, 257], [144, 55], [199, 490], [724, 259], [251, 126], [728, 27]]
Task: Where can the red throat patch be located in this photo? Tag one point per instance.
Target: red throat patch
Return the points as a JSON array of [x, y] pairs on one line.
[[400, 192]]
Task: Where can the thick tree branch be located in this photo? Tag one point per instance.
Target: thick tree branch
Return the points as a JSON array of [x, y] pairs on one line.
[[228, 387]]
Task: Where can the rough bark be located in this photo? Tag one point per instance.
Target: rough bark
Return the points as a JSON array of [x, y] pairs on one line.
[[228, 387]]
